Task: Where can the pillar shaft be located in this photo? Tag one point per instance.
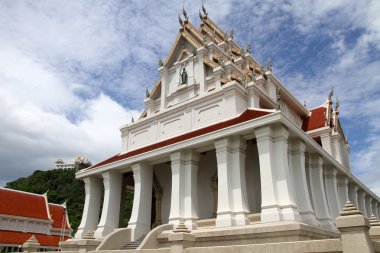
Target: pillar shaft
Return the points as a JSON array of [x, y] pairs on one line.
[[142, 200], [342, 190], [90, 217], [368, 205], [361, 202], [298, 173], [184, 202], [111, 203], [331, 191], [232, 192], [277, 201], [317, 187], [353, 194], [374, 207]]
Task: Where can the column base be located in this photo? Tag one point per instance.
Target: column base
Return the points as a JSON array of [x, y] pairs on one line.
[[138, 230], [290, 213], [79, 233], [270, 214], [231, 219], [327, 224], [308, 217], [102, 231]]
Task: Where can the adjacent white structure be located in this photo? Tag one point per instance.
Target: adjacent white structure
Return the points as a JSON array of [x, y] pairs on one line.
[[223, 142]]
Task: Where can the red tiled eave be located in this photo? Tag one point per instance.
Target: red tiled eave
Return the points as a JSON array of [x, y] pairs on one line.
[[246, 116], [58, 216], [23, 204], [315, 120], [13, 237]]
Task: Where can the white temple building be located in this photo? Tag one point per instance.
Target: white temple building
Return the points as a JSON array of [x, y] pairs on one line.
[[223, 154]]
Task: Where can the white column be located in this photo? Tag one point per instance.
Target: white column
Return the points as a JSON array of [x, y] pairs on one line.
[[140, 220], [232, 192], [277, 201], [378, 209], [361, 202], [368, 205], [337, 151], [184, 202], [353, 194], [315, 168], [326, 142], [374, 207], [331, 191], [298, 173], [90, 216], [342, 191], [111, 203]]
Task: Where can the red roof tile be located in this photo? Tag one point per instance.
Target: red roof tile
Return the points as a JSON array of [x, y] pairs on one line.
[[315, 120], [23, 204], [58, 215], [246, 116], [12, 237]]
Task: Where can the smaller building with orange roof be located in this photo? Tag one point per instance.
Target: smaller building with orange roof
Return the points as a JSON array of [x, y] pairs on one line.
[[24, 214]]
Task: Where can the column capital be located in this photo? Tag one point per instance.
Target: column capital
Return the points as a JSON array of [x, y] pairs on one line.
[[315, 160], [296, 146], [280, 132], [109, 174], [330, 171], [264, 133]]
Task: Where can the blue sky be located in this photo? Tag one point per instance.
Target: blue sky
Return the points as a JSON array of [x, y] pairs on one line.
[[72, 72]]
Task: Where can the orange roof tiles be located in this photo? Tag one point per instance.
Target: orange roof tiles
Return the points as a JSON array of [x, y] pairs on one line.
[[23, 204], [58, 216], [315, 120]]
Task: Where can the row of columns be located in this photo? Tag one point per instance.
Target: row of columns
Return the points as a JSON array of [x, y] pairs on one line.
[[295, 186]]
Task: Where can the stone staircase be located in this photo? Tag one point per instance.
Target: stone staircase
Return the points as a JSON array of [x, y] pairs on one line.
[[134, 245]]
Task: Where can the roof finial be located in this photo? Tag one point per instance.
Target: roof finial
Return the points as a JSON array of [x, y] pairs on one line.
[[232, 33], [249, 47], [160, 62], [185, 14], [180, 20], [147, 94], [304, 103], [133, 120], [270, 65], [331, 94], [204, 11], [336, 104]]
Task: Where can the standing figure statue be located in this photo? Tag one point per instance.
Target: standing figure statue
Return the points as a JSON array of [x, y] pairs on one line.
[[184, 76]]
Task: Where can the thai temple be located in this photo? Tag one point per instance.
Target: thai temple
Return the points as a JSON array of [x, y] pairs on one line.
[[225, 159], [29, 217]]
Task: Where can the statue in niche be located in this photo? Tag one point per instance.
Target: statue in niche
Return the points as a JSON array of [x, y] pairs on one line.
[[184, 76]]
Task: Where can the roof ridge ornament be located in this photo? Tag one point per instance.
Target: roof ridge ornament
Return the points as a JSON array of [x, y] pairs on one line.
[[160, 62], [270, 65], [205, 13], [180, 21], [249, 47], [185, 15], [147, 94]]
